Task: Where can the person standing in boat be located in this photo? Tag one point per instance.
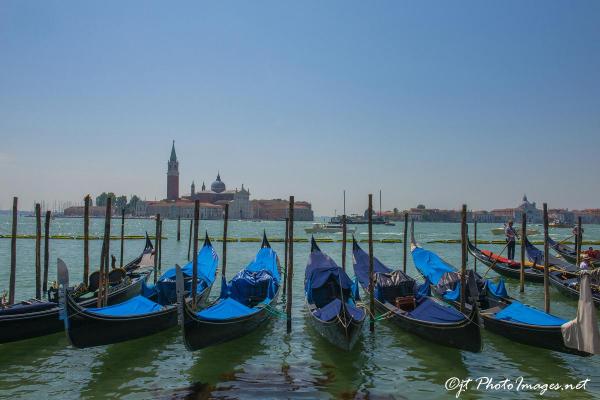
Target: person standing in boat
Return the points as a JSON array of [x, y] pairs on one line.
[[585, 262], [576, 235], [511, 235]]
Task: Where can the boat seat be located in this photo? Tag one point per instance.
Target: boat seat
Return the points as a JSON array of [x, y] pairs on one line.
[[116, 276], [94, 281], [406, 303]]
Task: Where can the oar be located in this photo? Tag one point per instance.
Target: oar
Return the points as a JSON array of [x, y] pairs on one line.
[[495, 261], [564, 240]]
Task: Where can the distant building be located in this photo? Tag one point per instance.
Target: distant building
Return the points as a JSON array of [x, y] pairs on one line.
[[534, 215], [278, 209], [173, 176], [178, 208]]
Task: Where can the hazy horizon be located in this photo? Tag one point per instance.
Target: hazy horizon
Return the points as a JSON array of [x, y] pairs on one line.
[[432, 102]]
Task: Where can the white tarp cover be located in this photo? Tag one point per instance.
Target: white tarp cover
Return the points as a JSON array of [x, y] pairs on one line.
[[582, 332]]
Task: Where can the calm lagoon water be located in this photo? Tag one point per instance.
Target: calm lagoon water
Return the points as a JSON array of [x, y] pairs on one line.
[[269, 363]]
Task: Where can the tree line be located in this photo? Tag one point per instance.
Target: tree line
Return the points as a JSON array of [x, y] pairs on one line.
[[119, 202]]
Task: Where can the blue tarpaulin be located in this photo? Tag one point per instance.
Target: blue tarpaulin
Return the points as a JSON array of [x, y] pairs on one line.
[[208, 260], [361, 259], [266, 260], [331, 310], [226, 309], [432, 311], [135, 306], [424, 290], [525, 314], [248, 286], [318, 270], [430, 265], [498, 290]]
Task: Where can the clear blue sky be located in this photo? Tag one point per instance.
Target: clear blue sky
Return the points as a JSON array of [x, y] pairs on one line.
[[433, 102]]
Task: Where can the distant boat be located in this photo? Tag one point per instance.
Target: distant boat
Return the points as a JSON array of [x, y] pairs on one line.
[[500, 231], [327, 228], [558, 224], [360, 220]]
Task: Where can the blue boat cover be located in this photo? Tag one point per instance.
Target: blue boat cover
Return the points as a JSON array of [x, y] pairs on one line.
[[361, 266], [134, 306], [536, 256], [432, 311], [248, 286], [331, 310], [258, 282], [519, 312], [498, 290], [430, 265], [355, 289], [208, 260], [424, 289], [453, 295], [266, 260], [318, 270], [226, 309]]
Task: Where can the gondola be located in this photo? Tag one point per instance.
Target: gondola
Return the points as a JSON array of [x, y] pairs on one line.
[[33, 318], [243, 305], [528, 325], [500, 313], [152, 311], [565, 281], [568, 253], [330, 301], [505, 267], [397, 296]]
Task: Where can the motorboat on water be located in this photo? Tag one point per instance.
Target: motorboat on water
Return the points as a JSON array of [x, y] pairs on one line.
[[500, 231], [328, 228]]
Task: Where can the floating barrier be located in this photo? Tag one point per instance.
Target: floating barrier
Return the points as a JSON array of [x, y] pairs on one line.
[[80, 237]]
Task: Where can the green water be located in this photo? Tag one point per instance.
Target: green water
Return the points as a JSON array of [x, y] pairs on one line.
[[269, 363]]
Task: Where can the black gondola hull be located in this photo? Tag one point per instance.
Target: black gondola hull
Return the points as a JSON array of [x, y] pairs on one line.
[[568, 291], [534, 335], [343, 337], [88, 329], [465, 335], [198, 333], [25, 326]]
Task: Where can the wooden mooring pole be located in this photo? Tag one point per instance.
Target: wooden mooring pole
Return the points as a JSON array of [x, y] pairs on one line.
[[285, 255], [190, 238], [475, 241], [86, 240], [463, 264], [371, 275], [344, 236], [122, 236], [156, 246], [13, 254], [523, 236], [38, 251], [46, 251], [404, 242], [225, 222], [195, 255], [179, 227], [578, 241], [160, 226], [546, 267], [107, 249], [290, 272]]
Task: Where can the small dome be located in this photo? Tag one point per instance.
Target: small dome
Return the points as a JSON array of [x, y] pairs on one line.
[[218, 186]]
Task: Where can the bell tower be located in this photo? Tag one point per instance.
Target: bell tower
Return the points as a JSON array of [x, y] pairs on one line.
[[173, 176]]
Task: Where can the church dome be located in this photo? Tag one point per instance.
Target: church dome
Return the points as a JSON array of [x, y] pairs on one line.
[[218, 186]]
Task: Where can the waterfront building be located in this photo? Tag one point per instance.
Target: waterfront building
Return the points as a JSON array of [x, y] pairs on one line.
[[278, 209], [173, 175]]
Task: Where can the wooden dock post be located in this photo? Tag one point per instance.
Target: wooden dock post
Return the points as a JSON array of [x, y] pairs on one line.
[[190, 239], [290, 272], [13, 254], [160, 225], [546, 267], [38, 251], [225, 221], [371, 276], [86, 240], [285, 255], [344, 235], [46, 251], [107, 221], [463, 264], [179, 227], [195, 255], [523, 236], [122, 236], [578, 240], [404, 242], [475, 241], [156, 246]]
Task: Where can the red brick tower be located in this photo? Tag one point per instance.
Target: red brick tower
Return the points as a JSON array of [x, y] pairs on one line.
[[173, 176]]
